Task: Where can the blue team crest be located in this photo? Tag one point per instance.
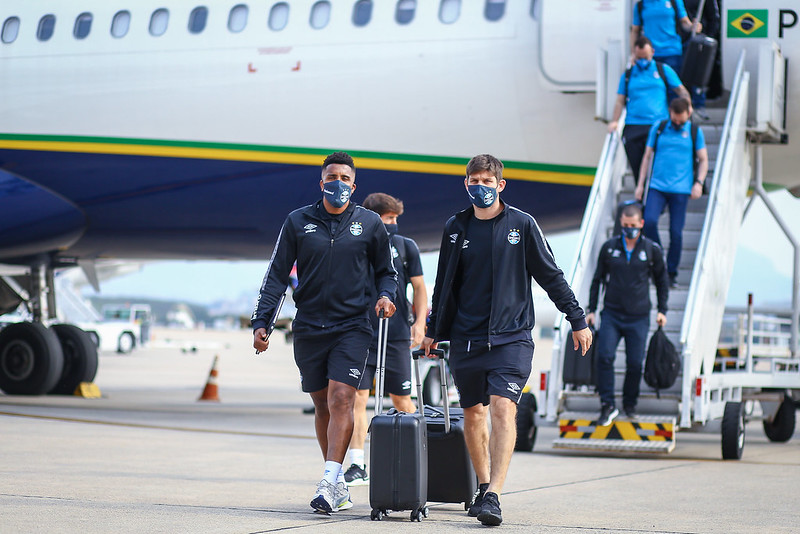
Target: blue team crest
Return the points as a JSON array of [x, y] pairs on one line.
[[668, 5], [513, 236], [344, 196], [642, 255], [488, 198], [356, 228], [394, 252], [684, 134]]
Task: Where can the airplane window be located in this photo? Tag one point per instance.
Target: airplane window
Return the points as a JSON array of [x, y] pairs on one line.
[[405, 11], [320, 14], [197, 19], [237, 19], [46, 26], [83, 25], [449, 11], [495, 9], [120, 24], [10, 30], [536, 9], [279, 16], [362, 12], [158, 22]]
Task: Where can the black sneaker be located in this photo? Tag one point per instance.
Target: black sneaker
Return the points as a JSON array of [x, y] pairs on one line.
[[673, 280], [607, 414], [477, 501], [630, 411], [356, 476], [490, 511]]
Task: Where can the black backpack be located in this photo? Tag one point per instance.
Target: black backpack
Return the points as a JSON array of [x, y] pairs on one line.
[[663, 364]]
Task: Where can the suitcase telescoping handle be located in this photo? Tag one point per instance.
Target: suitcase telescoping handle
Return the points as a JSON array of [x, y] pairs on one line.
[[274, 319], [380, 364], [439, 353], [698, 17]]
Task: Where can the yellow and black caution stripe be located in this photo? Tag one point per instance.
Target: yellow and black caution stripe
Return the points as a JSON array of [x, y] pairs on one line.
[[618, 430]]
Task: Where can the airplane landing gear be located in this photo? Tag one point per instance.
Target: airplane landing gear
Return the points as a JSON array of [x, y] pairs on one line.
[[36, 360]]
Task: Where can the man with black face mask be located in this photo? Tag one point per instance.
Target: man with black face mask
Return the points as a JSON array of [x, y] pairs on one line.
[[677, 151], [400, 337], [334, 243], [482, 303], [625, 266]]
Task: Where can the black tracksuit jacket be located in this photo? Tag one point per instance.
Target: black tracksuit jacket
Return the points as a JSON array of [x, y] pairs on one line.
[[519, 252], [627, 283], [332, 270]]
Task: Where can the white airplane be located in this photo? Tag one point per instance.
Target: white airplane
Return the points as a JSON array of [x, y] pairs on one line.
[[178, 129]]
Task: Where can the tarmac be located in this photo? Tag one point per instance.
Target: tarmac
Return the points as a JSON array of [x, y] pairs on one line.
[[149, 457]]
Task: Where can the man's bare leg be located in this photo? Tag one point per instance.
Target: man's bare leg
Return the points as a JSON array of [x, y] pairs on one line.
[[476, 434], [502, 440]]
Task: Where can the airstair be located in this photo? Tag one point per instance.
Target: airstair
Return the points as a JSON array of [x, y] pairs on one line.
[[696, 306]]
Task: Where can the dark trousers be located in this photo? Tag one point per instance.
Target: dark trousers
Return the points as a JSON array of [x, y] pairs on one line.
[[677, 202], [634, 137], [633, 328]]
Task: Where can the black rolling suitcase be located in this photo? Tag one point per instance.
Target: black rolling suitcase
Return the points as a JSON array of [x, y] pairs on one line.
[[398, 452], [698, 60], [451, 477], [579, 370]]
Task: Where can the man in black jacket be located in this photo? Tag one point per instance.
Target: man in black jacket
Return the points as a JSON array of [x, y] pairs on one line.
[[482, 303], [334, 242], [625, 266]]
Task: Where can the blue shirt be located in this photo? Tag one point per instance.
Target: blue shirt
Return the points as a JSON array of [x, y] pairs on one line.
[[673, 168], [659, 25], [647, 96]]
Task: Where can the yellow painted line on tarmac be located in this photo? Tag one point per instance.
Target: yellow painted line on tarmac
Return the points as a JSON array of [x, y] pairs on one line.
[[156, 427]]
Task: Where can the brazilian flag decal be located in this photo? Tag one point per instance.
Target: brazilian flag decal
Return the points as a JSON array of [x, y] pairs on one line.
[[747, 22]]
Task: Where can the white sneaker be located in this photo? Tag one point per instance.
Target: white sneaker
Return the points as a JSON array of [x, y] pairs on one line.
[[324, 498], [341, 499]]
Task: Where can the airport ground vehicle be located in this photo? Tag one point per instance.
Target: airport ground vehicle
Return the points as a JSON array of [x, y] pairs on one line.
[[713, 386], [122, 328]]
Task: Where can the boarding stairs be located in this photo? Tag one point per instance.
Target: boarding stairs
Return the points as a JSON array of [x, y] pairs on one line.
[[708, 219]]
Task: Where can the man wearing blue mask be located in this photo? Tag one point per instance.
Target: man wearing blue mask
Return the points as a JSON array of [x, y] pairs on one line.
[[677, 150], [482, 303], [333, 242], [401, 336], [644, 94], [625, 266]]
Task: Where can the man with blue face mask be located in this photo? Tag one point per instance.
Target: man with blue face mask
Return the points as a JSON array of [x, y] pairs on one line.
[[334, 242], [644, 93], [482, 303], [625, 266]]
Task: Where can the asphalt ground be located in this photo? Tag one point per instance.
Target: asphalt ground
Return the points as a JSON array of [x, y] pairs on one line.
[[148, 457]]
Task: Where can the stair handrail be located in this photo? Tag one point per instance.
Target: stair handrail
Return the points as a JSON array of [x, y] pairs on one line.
[[607, 181], [733, 128]]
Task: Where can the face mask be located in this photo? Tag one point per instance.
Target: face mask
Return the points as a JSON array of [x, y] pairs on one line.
[[678, 125], [631, 233], [642, 63], [391, 228], [337, 193], [482, 196]]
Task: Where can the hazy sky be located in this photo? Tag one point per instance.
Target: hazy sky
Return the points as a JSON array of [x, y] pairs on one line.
[[763, 266]]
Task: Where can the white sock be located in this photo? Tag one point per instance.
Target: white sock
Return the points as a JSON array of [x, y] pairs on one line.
[[340, 478], [357, 457], [332, 470]]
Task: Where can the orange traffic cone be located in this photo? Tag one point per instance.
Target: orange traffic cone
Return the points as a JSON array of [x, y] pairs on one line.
[[210, 392]]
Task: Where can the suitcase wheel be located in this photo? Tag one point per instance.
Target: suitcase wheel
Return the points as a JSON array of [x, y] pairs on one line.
[[425, 512], [416, 515], [377, 515]]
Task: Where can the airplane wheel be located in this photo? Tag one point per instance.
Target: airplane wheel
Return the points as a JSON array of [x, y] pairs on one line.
[[526, 423], [31, 359], [125, 343], [781, 428], [733, 431], [80, 358]]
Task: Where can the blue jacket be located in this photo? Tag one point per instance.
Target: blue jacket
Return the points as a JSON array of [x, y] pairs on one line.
[[333, 286], [519, 253]]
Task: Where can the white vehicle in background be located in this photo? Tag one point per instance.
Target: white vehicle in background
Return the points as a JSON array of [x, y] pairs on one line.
[[122, 328]]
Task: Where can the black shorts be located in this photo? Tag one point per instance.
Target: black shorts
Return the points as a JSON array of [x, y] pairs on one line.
[[504, 370], [339, 356], [398, 368]]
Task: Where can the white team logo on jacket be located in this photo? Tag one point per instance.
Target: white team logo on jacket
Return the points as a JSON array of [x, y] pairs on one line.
[[513, 236], [356, 228], [642, 255], [453, 238], [394, 252], [310, 228]]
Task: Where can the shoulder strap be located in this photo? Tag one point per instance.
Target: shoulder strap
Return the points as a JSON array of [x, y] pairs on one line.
[[648, 248], [694, 149], [641, 18], [661, 126], [400, 244], [660, 69], [627, 82]]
